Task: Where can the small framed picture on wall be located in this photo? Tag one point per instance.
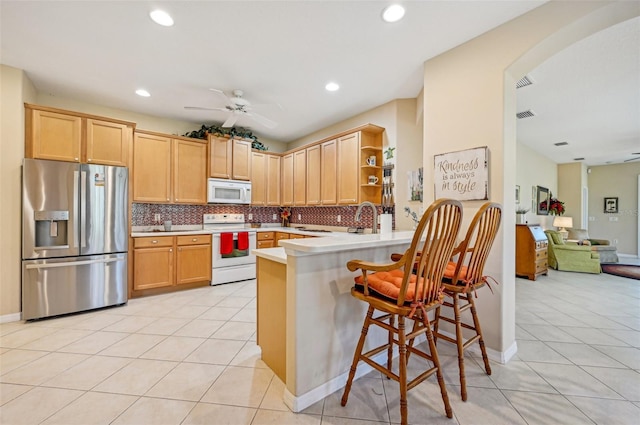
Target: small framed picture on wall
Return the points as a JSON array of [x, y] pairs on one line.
[[611, 205]]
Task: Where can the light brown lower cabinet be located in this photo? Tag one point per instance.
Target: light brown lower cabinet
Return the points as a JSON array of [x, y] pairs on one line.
[[168, 261]]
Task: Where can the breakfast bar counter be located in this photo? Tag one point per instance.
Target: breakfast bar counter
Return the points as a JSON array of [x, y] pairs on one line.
[[307, 321]]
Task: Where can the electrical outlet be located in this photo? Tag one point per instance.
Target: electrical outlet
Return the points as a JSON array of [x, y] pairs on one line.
[[338, 218], [250, 216], [613, 218], [275, 217], [299, 217], [156, 218], [615, 242], [592, 218]]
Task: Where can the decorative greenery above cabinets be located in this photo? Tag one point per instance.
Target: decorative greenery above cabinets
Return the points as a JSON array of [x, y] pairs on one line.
[[231, 132]]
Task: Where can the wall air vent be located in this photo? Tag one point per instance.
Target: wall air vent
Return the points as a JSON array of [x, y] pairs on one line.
[[524, 82], [561, 144], [578, 159], [525, 114]]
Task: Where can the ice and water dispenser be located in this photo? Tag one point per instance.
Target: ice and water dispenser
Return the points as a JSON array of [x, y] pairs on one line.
[[51, 229]]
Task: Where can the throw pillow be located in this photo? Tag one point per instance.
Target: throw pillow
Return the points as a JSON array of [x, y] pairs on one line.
[[557, 238]]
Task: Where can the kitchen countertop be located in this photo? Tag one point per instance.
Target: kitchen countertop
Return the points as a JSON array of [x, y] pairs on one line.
[[180, 230]]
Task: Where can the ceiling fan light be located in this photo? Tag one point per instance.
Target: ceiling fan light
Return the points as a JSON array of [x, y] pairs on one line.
[[161, 17], [332, 86], [393, 13], [143, 93]]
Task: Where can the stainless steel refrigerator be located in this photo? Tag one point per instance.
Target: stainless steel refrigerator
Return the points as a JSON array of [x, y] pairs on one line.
[[74, 237]]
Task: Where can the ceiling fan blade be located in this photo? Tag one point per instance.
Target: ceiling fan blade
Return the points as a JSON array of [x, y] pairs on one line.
[[230, 121], [223, 94], [262, 120], [632, 159], [200, 108]]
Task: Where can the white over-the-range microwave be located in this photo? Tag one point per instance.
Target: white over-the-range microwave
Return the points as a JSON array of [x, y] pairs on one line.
[[222, 191]]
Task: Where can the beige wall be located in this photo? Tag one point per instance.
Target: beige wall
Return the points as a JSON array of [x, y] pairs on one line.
[[469, 101], [571, 180], [534, 170], [15, 88], [621, 181]]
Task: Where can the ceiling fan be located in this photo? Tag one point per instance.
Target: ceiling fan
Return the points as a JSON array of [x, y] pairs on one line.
[[633, 159], [238, 107]]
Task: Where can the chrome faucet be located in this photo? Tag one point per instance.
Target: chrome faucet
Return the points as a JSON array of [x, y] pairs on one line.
[[375, 214]]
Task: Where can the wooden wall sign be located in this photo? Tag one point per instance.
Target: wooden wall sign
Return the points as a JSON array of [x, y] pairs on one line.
[[462, 175]]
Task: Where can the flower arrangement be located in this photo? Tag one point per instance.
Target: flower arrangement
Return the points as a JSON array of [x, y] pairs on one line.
[[556, 207], [285, 214], [522, 210]]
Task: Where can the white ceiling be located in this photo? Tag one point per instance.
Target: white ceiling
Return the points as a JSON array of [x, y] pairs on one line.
[[284, 52]]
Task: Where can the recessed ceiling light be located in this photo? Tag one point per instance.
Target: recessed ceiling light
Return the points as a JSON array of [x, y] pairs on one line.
[[332, 87], [143, 93], [161, 17], [393, 13]]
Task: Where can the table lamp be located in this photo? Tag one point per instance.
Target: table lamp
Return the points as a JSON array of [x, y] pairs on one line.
[[563, 222]]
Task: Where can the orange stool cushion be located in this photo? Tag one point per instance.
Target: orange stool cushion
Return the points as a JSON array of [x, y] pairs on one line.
[[387, 284], [450, 271]]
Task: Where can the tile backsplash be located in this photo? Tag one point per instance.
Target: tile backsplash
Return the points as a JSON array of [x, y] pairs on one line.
[[144, 214]]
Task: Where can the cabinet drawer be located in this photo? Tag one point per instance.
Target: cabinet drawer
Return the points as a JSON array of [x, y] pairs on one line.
[[281, 235], [265, 236], [541, 245], [296, 236], [193, 239], [148, 242], [266, 244], [540, 254], [541, 266]]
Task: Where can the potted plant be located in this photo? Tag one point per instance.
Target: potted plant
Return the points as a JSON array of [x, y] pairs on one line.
[[520, 215]]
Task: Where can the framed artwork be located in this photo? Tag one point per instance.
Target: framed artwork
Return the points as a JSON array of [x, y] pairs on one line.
[[462, 175], [517, 194], [542, 200], [611, 205]]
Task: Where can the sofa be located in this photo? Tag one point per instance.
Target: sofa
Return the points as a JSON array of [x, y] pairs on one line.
[[571, 257], [608, 253]]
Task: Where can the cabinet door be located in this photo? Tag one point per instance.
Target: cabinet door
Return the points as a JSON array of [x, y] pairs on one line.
[[313, 175], [300, 177], [273, 180], [153, 268], [241, 169], [189, 172], [348, 168], [328, 173], [151, 168], [193, 264], [220, 153], [287, 180], [108, 143], [54, 136], [258, 178]]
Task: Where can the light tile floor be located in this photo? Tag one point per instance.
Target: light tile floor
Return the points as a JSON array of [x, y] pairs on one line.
[[191, 358]]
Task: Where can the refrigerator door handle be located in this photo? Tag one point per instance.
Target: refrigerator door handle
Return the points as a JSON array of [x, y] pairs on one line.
[[83, 208], [75, 227], [72, 263]]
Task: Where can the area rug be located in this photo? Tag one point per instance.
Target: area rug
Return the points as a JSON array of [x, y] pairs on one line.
[[624, 270]]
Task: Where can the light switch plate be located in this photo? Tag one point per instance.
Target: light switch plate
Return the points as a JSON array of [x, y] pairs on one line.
[[275, 217], [338, 218], [250, 216]]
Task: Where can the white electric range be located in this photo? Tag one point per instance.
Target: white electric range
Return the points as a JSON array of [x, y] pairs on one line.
[[237, 265]]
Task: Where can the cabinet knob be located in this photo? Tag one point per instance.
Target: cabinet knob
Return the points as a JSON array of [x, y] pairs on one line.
[[75, 159], [88, 159], [170, 249], [194, 239], [154, 241]]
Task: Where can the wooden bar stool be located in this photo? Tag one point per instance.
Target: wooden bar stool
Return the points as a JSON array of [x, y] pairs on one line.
[[399, 294], [461, 280]]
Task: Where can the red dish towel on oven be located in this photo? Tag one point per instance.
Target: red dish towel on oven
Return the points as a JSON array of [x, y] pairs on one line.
[[243, 241], [226, 243]]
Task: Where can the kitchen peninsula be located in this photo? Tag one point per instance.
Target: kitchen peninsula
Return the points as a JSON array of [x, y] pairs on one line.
[[308, 322]]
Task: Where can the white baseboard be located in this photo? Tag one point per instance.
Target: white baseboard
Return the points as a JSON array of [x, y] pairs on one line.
[[13, 317], [299, 403], [495, 355]]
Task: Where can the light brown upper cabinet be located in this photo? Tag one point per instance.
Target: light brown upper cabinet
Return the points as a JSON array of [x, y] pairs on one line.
[[300, 177], [61, 135], [273, 180], [265, 179], [313, 175], [353, 169], [287, 180], [348, 169], [168, 169], [229, 158], [328, 172]]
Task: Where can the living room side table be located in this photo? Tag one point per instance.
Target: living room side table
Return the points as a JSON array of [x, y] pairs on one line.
[[531, 251]]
